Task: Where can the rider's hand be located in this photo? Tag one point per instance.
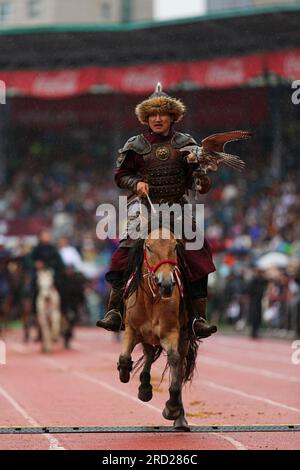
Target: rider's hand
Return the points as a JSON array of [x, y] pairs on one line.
[[142, 189], [195, 154]]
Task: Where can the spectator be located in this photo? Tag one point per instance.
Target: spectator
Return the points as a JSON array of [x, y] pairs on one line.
[[69, 254]]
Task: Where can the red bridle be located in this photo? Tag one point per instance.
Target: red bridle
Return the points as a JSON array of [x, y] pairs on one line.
[[164, 261]]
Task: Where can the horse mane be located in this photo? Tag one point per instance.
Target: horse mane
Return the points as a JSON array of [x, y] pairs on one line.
[[135, 263]]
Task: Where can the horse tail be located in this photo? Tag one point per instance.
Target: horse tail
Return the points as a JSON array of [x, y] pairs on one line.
[[141, 361], [190, 360]]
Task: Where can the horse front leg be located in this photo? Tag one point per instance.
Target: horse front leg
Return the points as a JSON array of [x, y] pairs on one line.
[[145, 388], [181, 424], [174, 409], [173, 406], [125, 362]]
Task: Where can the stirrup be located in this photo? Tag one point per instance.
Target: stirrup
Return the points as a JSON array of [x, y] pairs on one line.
[[121, 324], [204, 321]]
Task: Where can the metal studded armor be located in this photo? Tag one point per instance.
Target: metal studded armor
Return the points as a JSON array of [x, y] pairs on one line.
[[164, 166], [165, 173]]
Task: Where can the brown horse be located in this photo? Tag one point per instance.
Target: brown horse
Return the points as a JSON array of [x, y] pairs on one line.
[[157, 317]]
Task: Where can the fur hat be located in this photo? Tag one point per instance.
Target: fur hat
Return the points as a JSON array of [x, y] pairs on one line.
[[159, 102]]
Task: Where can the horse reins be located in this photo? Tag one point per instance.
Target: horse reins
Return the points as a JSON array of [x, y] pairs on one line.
[[152, 269]]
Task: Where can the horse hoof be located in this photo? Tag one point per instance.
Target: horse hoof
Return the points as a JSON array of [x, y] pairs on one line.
[[181, 424], [124, 375], [171, 415], [124, 367], [145, 394]]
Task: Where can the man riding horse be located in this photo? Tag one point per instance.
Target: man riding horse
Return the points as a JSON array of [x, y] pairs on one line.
[[152, 164]]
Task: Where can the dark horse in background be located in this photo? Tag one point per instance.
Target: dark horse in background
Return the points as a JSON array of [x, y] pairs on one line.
[[157, 317]]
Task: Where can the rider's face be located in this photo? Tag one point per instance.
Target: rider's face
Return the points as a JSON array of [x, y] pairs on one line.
[[160, 123]]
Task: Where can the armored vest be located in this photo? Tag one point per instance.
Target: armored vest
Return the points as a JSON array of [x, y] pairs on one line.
[[165, 173], [164, 165]]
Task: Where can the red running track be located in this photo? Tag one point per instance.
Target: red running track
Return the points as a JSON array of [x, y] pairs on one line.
[[239, 381]]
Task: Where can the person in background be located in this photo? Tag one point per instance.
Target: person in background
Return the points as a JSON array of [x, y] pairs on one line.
[[48, 254], [256, 291], [70, 256]]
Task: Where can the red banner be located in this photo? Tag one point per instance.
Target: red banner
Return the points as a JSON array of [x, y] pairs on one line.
[[285, 64], [141, 79], [50, 85], [225, 73]]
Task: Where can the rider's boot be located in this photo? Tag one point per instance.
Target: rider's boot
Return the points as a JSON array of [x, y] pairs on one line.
[[200, 327], [113, 319]]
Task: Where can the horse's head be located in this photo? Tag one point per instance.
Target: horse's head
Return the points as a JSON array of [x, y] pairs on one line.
[[160, 257]]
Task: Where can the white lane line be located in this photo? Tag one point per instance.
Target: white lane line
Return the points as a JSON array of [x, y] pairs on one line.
[[228, 389], [112, 356], [54, 443], [237, 444], [209, 383], [208, 360], [246, 369], [218, 345], [247, 352], [219, 341], [248, 395], [248, 343]]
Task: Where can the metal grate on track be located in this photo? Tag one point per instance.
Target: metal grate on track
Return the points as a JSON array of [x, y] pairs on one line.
[[146, 429]]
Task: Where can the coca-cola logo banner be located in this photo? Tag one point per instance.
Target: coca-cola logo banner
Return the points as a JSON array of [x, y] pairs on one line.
[[141, 79]]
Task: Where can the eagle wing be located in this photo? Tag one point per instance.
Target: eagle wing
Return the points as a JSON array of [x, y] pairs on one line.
[[217, 142], [213, 150]]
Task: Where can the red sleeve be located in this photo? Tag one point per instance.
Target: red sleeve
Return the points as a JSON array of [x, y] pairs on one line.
[[129, 174]]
